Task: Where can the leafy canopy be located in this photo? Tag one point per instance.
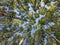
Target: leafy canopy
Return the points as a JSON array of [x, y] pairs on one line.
[[34, 22]]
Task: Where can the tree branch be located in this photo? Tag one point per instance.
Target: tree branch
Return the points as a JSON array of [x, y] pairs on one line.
[[35, 3], [3, 13], [19, 2], [21, 41], [54, 38]]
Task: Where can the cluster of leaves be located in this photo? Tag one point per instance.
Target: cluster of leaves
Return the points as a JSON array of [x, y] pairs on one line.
[[36, 21]]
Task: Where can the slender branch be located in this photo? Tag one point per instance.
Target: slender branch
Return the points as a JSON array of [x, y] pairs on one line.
[[19, 2], [2, 13], [54, 38], [23, 38], [35, 3], [21, 41]]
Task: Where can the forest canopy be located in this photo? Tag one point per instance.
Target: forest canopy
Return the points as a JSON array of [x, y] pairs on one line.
[[29, 22]]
